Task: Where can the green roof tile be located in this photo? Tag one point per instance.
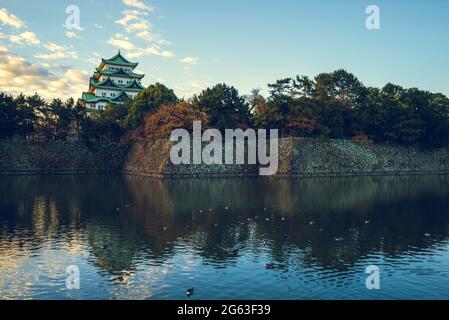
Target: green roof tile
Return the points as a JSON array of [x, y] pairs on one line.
[[120, 73], [91, 98], [118, 59], [109, 84]]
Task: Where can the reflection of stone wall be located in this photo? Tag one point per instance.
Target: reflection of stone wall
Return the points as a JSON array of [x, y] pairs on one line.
[[18, 157]]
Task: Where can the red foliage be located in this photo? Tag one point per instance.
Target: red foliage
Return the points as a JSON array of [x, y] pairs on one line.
[[302, 123], [363, 138], [167, 118]]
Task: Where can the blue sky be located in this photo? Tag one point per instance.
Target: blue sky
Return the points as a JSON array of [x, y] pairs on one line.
[[192, 44]]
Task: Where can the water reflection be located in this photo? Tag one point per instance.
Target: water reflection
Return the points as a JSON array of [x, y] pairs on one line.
[[142, 238]]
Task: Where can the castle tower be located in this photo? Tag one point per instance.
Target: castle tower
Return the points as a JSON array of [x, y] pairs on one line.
[[113, 82]]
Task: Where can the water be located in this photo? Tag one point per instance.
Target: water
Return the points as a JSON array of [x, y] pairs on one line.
[[139, 238]]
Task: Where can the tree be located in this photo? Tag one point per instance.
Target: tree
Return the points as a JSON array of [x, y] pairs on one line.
[[280, 103], [436, 119], [27, 108], [169, 117], [104, 124], [254, 99], [147, 101], [8, 116], [224, 106]]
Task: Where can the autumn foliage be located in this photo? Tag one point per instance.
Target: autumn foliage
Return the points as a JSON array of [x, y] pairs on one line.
[[169, 117], [301, 124]]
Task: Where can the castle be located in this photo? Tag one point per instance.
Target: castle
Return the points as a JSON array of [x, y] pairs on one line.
[[113, 82]]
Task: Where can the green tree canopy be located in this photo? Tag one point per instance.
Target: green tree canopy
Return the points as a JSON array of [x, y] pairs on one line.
[[147, 101], [224, 107], [8, 115]]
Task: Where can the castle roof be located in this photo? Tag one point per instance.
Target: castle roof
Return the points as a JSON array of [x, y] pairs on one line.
[[118, 60], [111, 85], [119, 73], [91, 98]]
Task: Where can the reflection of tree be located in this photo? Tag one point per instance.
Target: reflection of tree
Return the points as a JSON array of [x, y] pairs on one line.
[[125, 221], [111, 251]]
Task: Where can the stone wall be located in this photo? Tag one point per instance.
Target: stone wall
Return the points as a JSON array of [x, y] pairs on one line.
[[19, 157], [154, 160], [297, 157], [314, 157], [300, 158]]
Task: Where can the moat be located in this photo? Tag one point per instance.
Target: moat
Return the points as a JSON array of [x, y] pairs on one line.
[[143, 238]]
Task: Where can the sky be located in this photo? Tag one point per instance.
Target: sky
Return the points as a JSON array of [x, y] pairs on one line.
[[191, 44]]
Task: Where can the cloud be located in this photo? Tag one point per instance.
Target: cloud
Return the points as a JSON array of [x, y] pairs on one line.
[[121, 41], [151, 37], [138, 4], [20, 76], [58, 52], [57, 55], [9, 19], [27, 37], [54, 47], [139, 25], [151, 51], [95, 59], [98, 26], [192, 88], [133, 20], [3, 48], [189, 60], [71, 35], [128, 15]]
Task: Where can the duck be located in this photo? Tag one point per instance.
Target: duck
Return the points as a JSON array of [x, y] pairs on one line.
[[269, 266], [226, 208], [189, 292], [312, 222], [338, 239], [165, 228], [427, 235], [366, 221], [267, 219]]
